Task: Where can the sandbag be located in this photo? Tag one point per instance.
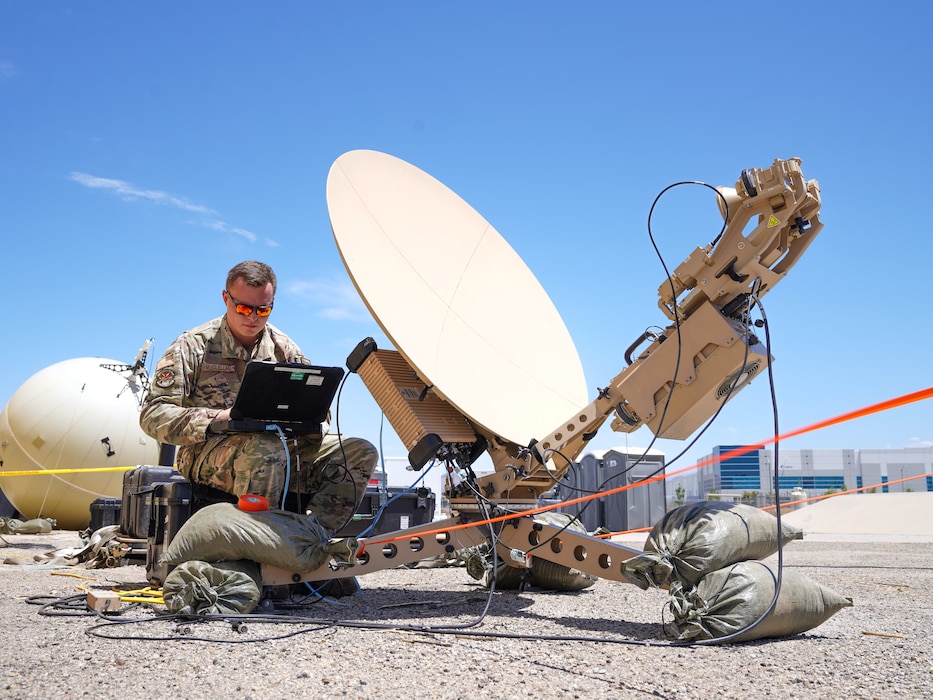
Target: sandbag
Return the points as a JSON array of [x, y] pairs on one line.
[[222, 588], [35, 526], [543, 573], [695, 539], [730, 599], [222, 532]]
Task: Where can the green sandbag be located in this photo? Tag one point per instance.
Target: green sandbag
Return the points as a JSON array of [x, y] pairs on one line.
[[223, 532], [36, 526], [544, 574], [695, 539], [223, 588], [730, 599]]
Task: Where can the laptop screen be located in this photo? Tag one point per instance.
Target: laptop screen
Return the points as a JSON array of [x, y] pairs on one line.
[[293, 396]]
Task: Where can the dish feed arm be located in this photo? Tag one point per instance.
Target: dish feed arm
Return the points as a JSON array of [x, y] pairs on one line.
[[708, 351]]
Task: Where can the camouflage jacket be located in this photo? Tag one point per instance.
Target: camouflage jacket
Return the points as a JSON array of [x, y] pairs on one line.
[[199, 375]]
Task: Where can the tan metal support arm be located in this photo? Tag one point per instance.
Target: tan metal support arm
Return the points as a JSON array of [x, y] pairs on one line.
[[520, 536], [708, 354]]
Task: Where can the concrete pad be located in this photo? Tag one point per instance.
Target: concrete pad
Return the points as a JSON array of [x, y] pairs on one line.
[[902, 517]]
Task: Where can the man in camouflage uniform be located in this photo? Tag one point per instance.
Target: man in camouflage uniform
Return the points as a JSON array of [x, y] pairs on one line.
[[195, 384]]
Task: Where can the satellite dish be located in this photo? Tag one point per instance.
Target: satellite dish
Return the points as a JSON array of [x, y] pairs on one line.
[[453, 297]]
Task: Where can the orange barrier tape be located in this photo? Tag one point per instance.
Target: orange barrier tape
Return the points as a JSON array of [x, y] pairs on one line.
[[897, 402], [842, 418], [882, 485], [812, 499]]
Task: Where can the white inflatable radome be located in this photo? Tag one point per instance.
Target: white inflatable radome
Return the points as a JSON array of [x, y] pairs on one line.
[[80, 415]]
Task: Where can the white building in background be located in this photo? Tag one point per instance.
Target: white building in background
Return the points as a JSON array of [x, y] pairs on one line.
[[737, 470]]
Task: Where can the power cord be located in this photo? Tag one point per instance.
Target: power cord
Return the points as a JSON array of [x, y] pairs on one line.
[[400, 494], [461, 629]]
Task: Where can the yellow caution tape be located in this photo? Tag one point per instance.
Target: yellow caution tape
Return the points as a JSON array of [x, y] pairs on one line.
[[41, 472]]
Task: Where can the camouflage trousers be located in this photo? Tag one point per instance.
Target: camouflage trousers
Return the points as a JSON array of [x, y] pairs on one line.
[[334, 470]]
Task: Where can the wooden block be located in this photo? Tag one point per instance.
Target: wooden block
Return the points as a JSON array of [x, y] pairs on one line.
[[106, 601]]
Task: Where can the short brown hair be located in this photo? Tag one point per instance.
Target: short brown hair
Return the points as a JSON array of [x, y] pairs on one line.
[[254, 273]]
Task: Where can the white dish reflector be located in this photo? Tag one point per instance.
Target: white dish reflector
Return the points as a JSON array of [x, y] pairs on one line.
[[454, 297]]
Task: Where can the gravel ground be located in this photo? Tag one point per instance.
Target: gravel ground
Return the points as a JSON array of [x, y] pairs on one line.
[[880, 648]]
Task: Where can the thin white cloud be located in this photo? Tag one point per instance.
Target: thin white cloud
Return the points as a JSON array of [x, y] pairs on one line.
[[131, 192], [224, 227], [7, 70], [333, 299]]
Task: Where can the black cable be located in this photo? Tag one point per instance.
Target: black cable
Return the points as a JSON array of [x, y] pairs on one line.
[[461, 629], [675, 311], [358, 496], [67, 606], [471, 484], [676, 314], [780, 539], [670, 282], [712, 419], [676, 319], [185, 620], [670, 394], [664, 466], [57, 606], [676, 325], [319, 623], [493, 538], [780, 554], [746, 321], [385, 504]]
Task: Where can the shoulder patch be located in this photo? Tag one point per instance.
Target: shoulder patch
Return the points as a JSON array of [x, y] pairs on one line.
[[165, 378]]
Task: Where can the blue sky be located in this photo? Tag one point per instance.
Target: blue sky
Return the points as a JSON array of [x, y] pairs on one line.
[[147, 147]]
